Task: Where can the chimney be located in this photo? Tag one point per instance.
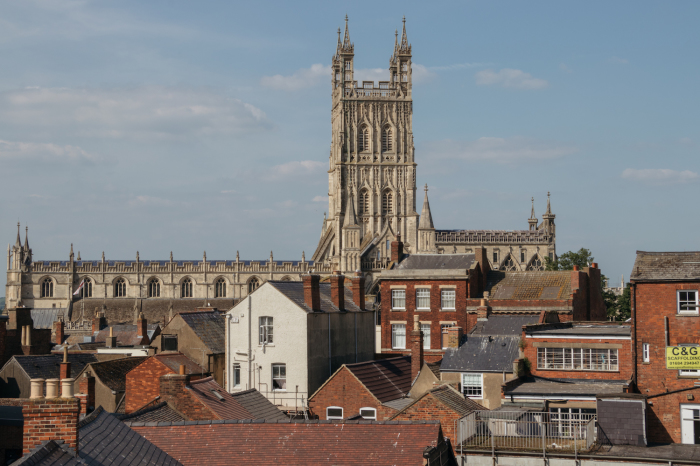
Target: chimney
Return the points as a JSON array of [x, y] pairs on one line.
[[59, 331], [576, 268], [312, 293], [64, 371], [594, 265], [454, 337], [397, 249], [111, 339], [338, 290], [484, 310], [26, 339], [67, 388], [142, 328], [87, 390], [52, 388], [416, 349], [173, 385], [358, 289], [50, 418], [182, 370], [483, 260], [98, 322]]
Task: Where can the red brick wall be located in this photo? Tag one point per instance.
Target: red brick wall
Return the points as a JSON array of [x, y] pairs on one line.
[[345, 391], [172, 388], [427, 409], [143, 383], [54, 419], [654, 301]]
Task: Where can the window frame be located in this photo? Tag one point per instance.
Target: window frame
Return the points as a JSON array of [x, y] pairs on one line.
[[646, 352], [170, 337], [266, 331], [279, 365], [367, 408], [395, 334], [236, 372], [253, 284], [331, 418], [426, 294], [578, 359], [86, 292], [394, 298], [687, 303], [454, 299], [47, 287], [120, 288], [426, 334], [187, 288], [153, 283], [480, 396], [220, 287]]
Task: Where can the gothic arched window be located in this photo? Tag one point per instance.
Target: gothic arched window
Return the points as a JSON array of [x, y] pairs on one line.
[[153, 288], [509, 263], [186, 288], [386, 139], [86, 292], [120, 288], [363, 139], [387, 203], [363, 199], [220, 288], [253, 284], [535, 264], [47, 288]]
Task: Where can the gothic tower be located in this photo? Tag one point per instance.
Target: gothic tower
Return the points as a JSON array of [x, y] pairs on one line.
[[371, 162]]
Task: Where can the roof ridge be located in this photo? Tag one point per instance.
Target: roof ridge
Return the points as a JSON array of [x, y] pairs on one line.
[[204, 380], [287, 421], [373, 361], [90, 417]]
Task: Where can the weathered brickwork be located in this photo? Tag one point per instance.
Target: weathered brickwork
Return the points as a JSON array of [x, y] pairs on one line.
[[52, 419], [173, 389], [428, 408], [143, 383]]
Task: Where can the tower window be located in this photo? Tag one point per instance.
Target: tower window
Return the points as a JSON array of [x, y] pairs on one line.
[[154, 288], [220, 288], [47, 288], [186, 288], [253, 284], [363, 199], [387, 203], [522, 256], [495, 257], [386, 139], [120, 288], [363, 139], [348, 65]]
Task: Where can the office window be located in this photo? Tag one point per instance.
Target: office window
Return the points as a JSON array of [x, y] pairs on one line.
[[265, 324], [645, 352], [398, 299], [447, 299], [688, 301], [423, 298], [443, 331], [334, 412], [472, 385], [425, 328], [236, 375], [577, 359], [368, 413], [398, 336], [279, 376]]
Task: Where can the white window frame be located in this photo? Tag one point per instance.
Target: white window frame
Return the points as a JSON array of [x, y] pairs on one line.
[[480, 396], [687, 302], [342, 412], [236, 370], [279, 377], [266, 330], [373, 418], [421, 295], [645, 352], [578, 359], [442, 299], [689, 372], [395, 334], [426, 334], [396, 297]]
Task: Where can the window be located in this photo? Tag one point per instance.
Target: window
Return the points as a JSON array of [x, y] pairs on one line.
[[425, 328], [398, 299], [236, 375], [522, 257], [472, 385], [577, 359], [154, 288], [348, 65], [47, 288], [444, 334], [368, 413], [279, 376], [447, 299], [398, 336], [363, 139], [334, 412], [423, 298], [265, 330], [495, 257], [86, 292], [689, 372], [688, 301], [169, 342], [509, 263], [364, 202], [536, 264], [569, 422], [387, 203], [645, 352], [253, 284], [120, 288], [386, 139], [220, 288], [186, 288]]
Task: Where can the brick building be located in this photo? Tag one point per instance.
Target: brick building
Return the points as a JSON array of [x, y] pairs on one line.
[[664, 288]]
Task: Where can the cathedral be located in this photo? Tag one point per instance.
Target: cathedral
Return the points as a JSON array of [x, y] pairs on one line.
[[372, 201]]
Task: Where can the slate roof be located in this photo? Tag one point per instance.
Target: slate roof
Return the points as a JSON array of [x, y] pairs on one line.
[[504, 325], [666, 266], [47, 366], [258, 406], [104, 439], [566, 387], [45, 317], [436, 262], [160, 412], [173, 360], [450, 398], [112, 373], [295, 292], [223, 405], [50, 453], [295, 443], [529, 285], [577, 329], [209, 327], [386, 379], [127, 334]]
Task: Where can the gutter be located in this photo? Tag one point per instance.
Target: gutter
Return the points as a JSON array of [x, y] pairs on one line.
[[597, 458]]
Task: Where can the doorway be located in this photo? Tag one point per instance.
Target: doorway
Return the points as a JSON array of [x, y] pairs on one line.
[[690, 424]]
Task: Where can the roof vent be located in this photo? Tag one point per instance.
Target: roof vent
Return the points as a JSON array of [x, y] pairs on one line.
[[217, 394]]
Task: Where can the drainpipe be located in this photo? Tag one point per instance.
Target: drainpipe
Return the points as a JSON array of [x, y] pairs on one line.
[[633, 305], [330, 365], [228, 351], [250, 344], [356, 336]]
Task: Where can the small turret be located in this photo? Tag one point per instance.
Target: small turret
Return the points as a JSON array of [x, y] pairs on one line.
[[426, 229], [532, 221], [548, 219], [18, 243]]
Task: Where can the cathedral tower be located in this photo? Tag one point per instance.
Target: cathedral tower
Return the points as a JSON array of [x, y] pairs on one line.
[[371, 162]]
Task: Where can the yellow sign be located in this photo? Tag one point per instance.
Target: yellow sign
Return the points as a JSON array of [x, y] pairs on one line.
[[683, 357]]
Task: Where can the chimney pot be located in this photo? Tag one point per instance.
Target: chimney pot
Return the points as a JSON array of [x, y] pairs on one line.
[[182, 369], [67, 388], [576, 268], [594, 265], [36, 389], [51, 388]]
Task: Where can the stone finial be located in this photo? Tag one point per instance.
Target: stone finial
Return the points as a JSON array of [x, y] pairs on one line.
[[303, 256], [137, 256], [171, 256], [78, 258], [237, 256], [103, 256]]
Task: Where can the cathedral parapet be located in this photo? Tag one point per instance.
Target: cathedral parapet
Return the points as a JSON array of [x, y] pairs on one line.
[[493, 236]]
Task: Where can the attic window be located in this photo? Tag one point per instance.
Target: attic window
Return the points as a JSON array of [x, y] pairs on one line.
[[334, 412], [169, 342], [368, 413]]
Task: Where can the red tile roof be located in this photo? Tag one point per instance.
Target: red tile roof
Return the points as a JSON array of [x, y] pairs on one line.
[[386, 379], [224, 406], [174, 360], [290, 443]]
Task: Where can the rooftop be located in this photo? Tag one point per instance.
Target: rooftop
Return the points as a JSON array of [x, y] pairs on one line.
[[666, 266], [218, 400], [159, 412], [174, 360], [209, 327], [529, 285], [602, 330], [45, 317], [450, 398], [566, 387], [258, 406], [295, 292], [47, 366], [112, 373], [387, 379], [127, 334]]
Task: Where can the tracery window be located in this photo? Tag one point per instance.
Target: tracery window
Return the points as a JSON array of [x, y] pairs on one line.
[[120, 288], [220, 288], [536, 264], [363, 139], [154, 288], [509, 263], [47, 288], [253, 284], [363, 199], [387, 202], [186, 288], [86, 292], [386, 139]]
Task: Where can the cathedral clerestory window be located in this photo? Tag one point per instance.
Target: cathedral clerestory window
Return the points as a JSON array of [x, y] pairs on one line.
[[363, 200], [536, 264], [386, 139], [220, 288], [186, 288], [363, 139], [86, 292], [120, 288], [154, 288], [387, 203], [509, 263], [47, 288]]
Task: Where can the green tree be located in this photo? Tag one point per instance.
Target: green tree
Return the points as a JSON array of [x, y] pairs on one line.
[[566, 261], [624, 304]]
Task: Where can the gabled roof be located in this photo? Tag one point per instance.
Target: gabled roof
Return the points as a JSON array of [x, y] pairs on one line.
[[209, 327], [295, 292], [47, 366], [529, 285], [450, 398], [386, 379], [666, 266], [50, 453], [45, 317], [295, 443], [160, 412], [112, 372], [127, 334], [504, 325], [104, 439], [218, 400], [258, 406], [174, 360]]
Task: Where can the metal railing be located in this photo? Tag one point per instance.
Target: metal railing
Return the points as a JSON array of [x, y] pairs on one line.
[[523, 430]]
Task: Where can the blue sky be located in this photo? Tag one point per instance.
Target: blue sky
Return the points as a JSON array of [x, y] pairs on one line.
[[191, 126]]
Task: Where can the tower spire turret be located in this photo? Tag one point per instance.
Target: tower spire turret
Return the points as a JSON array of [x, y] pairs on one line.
[[347, 45], [405, 46], [532, 221], [350, 217], [18, 243], [340, 45], [26, 238], [426, 218]]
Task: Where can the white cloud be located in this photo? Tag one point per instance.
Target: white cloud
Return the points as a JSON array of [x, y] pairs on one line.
[[618, 60], [564, 68], [320, 199], [499, 150], [296, 168], [659, 176], [301, 79], [508, 77], [43, 151], [458, 66], [143, 112]]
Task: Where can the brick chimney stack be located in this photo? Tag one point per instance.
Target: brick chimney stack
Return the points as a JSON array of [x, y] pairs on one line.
[[111, 339], [64, 370], [87, 393], [484, 310], [312, 292], [484, 264], [47, 419], [454, 337], [142, 328], [358, 289], [397, 249], [338, 290], [416, 348], [98, 321], [59, 330], [173, 385]]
